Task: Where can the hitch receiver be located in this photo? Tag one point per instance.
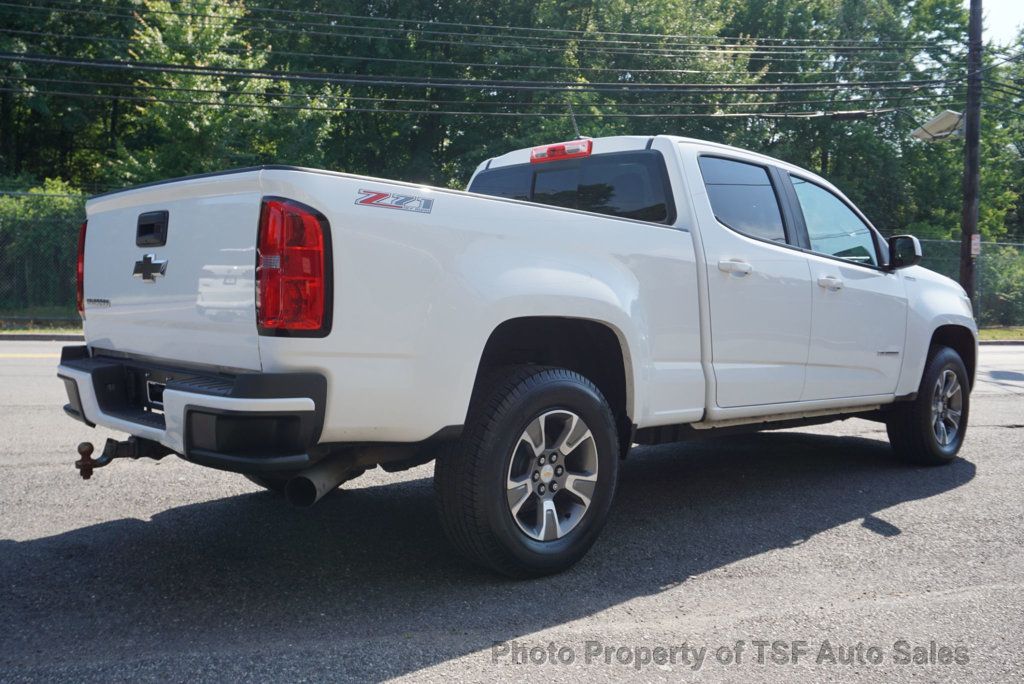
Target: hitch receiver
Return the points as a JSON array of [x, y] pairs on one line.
[[134, 448]]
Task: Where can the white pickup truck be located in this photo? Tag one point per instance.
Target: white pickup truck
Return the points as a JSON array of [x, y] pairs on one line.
[[301, 326]]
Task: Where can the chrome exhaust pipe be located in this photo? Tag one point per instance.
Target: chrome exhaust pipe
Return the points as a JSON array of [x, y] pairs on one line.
[[310, 485]]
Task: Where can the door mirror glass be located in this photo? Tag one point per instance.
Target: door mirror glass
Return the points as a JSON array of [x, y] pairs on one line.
[[904, 251]]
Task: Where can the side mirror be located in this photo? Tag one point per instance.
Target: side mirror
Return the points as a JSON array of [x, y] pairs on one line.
[[904, 251]]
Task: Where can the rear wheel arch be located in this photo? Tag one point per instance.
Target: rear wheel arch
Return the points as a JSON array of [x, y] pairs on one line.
[[594, 349]]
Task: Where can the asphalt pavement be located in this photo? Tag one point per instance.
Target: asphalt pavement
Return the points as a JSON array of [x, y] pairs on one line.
[[803, 555]]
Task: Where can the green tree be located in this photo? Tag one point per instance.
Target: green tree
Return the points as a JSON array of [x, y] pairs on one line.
[[38, 237]]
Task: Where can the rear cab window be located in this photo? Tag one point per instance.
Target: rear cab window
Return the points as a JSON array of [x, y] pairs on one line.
[[512, 182], [632, 185]]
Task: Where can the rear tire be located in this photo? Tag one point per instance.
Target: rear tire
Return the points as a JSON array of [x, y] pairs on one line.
[[527, 488], [930, 429]]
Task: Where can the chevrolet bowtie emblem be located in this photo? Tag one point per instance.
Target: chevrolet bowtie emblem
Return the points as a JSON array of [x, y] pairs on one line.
[[148, 268]]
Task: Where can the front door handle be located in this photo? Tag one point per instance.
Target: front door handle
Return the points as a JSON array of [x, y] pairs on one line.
[[737, 266], [830, 283]]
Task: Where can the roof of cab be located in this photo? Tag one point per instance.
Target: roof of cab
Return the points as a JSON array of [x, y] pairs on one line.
[[623, 143], [617, 143]]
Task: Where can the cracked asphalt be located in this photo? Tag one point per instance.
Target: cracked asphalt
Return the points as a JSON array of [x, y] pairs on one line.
[[800, 555]]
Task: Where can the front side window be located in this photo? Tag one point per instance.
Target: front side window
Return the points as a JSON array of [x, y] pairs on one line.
[[832, 227], [625, 184], [743, 198]]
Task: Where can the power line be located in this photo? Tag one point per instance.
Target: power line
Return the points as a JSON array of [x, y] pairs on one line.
[[578, 32], [255, 8], [415, 25], [474, 84], [996, 90], [661, 41], [665, 53], [1005, 86], [988, 107], [1005, 60], [550, 105], [845, 114], [486, 65]]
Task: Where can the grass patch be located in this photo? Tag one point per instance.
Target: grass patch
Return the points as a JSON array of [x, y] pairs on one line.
[[40, 330], [46, 326], [55, 314], [1013, 332]]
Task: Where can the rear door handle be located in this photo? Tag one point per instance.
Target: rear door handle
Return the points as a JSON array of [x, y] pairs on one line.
[[737, 266], [830, 283]]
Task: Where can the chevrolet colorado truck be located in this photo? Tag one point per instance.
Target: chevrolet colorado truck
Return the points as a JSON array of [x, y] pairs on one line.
[[300, 326]]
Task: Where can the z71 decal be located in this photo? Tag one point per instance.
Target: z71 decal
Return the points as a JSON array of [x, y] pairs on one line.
[[388, 200]]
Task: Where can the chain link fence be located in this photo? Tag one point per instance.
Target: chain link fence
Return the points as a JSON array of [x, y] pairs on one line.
[[38, 247], [39, 238], [999, 278]]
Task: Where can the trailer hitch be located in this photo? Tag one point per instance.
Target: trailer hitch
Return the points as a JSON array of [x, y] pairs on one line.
[[134, 448]]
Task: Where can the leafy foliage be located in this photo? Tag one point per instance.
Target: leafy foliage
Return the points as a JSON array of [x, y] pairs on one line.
[[99, 128], [37, 243]]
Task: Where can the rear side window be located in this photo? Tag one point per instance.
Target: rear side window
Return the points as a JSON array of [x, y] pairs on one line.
[[743, 198], [626, 184]]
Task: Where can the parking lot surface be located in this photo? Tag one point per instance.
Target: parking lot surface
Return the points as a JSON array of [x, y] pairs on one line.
[[808, 545]]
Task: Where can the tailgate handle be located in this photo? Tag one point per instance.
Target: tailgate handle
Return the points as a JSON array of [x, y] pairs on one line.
[[152, 229]]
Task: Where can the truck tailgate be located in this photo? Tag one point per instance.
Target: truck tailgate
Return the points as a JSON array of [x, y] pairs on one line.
[[187, 296]]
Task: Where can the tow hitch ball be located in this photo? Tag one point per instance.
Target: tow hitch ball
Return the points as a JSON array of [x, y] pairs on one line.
[[134, 448]]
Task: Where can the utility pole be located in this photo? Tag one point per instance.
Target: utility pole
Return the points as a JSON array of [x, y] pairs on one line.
[[972, 152]]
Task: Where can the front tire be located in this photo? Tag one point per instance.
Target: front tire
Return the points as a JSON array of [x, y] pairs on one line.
[[527, 488], [930, 429]]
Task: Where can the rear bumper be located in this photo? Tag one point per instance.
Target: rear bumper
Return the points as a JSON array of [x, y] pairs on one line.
[[246, 422]]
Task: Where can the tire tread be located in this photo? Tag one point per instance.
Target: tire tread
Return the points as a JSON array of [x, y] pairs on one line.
[[908, 440], [460, 492]]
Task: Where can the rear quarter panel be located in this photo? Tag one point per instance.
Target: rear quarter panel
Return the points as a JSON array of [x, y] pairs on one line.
[[417, 295]]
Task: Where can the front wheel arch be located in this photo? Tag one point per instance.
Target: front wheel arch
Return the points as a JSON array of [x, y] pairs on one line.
[[960, 339]]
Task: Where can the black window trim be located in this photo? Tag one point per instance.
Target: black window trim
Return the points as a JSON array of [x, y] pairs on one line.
[[775, 181], [876, 237], [670, 203]]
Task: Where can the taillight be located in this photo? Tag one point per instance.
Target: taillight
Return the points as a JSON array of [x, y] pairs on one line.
[[566, 150], [80, 271], [292, 279]]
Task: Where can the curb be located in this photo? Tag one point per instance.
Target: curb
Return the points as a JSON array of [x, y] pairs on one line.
[[40, 337], [1001, 343]]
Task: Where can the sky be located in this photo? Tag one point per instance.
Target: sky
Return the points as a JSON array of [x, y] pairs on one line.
[[1003, 18]]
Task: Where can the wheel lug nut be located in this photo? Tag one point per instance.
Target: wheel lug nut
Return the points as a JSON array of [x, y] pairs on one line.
[[536, 476], [554, 486], [541, 460], [554, 457], [541, 489], [559, 470]]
